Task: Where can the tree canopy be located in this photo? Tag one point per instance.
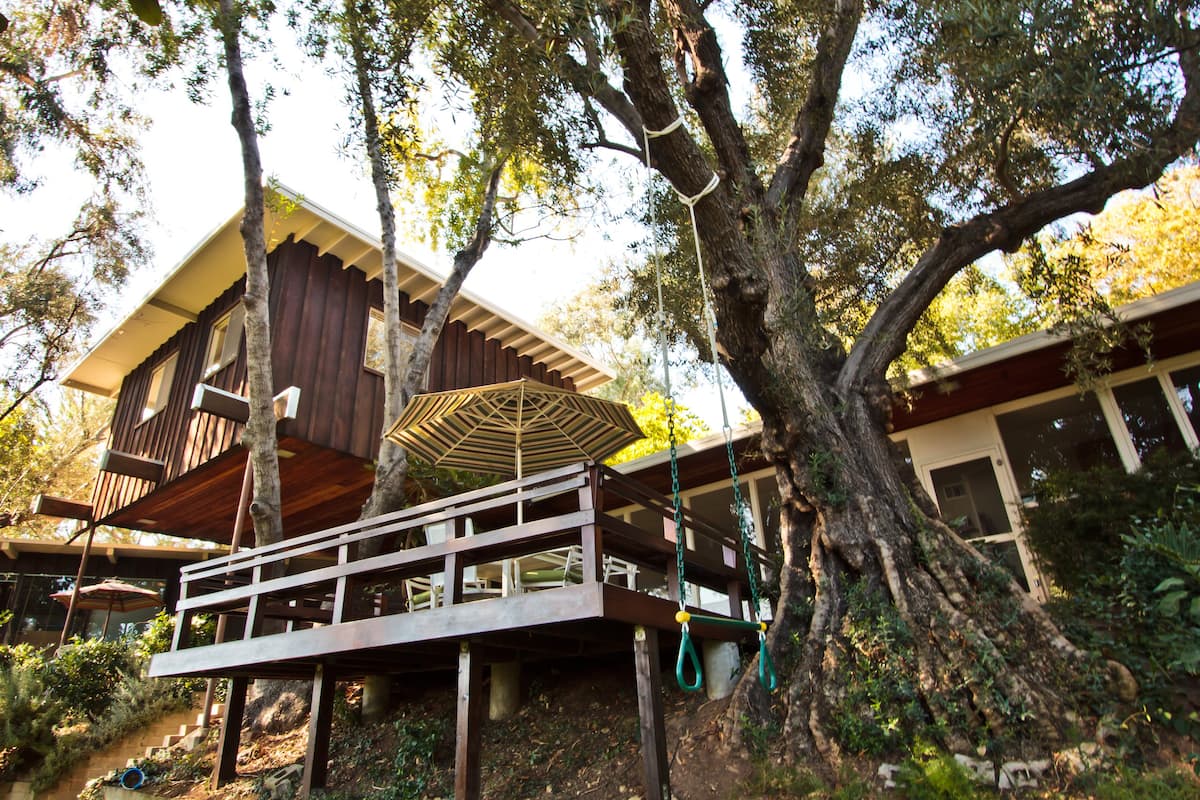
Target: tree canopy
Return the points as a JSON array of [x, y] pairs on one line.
[[63, 105], [882, 150]]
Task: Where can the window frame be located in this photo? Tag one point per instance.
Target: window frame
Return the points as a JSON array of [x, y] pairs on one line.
[[407, 329], [158, 398], [215, 361]]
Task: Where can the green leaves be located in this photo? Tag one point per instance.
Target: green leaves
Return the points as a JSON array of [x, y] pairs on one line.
[[148, 11]]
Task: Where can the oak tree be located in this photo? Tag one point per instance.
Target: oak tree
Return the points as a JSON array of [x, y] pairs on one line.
[[887, 147]]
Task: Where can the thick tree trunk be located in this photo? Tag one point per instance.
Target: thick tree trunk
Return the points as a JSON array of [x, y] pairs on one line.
[[891, 628], [259, 433], [402, 378]]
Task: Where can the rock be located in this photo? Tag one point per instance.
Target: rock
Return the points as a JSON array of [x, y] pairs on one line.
[[1021, 774], [980, 770]]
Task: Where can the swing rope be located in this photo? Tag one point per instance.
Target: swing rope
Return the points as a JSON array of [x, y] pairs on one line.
[[687, 651]]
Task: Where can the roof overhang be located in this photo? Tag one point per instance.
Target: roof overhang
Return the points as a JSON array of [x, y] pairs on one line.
[[218, 260], [1039, 340], [11, 550]]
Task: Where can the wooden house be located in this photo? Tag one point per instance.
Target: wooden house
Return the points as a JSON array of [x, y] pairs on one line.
[[175, 468]]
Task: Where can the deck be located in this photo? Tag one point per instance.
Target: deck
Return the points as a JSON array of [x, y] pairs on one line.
[[335, 605]]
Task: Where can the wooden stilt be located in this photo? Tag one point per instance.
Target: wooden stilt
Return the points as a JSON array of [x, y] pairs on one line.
[[225, 768], [320, 724], [655, 764], [471, 702]]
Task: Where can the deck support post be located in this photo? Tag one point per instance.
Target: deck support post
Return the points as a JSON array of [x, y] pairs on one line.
[[320, 725], [225, 766], [470, 721], [655, 763]]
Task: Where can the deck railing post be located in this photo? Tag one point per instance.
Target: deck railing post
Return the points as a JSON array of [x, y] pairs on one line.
[[590, 537], [452, 588], [345, 588], [254, 612], [181, 638]]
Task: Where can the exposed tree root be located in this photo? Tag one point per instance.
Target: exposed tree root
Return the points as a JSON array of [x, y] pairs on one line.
[[890, 598]]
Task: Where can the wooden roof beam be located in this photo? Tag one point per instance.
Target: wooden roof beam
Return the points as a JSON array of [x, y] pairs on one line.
[[325, 248], [363, 251], [171, 308], [49, 506], [302, 233], [232, 406], [147, 469]]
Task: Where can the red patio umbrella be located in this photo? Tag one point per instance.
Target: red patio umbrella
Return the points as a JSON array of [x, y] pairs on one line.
[[112, 596]]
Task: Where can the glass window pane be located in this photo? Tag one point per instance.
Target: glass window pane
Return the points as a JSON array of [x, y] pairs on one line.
[[1148, 417], [376, 344], [1006, 555], [1187, 386], [969, 492], [1066, 434], [159, 391], [715, 507]]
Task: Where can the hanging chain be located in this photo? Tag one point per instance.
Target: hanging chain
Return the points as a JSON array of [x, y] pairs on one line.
[[676, 499]]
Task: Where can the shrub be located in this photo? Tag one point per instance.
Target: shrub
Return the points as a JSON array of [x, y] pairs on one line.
[[28, 715], [1077, 527], [157, 637], [1136, 601], [21, 655], [85, 674]]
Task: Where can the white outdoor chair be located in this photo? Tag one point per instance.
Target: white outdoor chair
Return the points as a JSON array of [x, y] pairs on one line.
[[426, 592]]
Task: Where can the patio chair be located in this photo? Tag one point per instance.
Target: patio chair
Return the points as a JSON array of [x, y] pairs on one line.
[[620, 572], [550, 570], [426, 592]]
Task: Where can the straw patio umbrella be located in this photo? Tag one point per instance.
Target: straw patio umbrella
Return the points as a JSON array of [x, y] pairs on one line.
[[111, 595], [515, 428]]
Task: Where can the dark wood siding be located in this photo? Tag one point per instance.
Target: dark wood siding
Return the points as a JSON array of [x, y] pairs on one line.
[[319, 315], [176, 435]]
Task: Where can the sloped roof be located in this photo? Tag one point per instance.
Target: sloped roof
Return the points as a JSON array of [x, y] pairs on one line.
[[218, 260]]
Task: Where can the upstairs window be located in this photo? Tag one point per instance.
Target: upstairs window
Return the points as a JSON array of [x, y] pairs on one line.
[[374, 352], [224, 340], [159, 392]]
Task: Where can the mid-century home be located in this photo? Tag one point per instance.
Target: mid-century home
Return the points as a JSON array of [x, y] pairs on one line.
[[980, 430], [174, 464], [977, 433]]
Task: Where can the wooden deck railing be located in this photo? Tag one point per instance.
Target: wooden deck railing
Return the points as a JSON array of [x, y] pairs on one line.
[[341, 574]]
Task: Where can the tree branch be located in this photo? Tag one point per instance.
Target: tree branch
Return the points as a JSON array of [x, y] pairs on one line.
[[805, 151], [885, 335], [707, 91], [603, 141], [587, 82], [464, 260]]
